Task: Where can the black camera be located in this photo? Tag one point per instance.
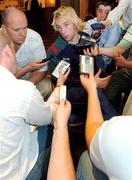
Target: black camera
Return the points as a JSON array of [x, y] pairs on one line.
[[84, 42], [97, 26]]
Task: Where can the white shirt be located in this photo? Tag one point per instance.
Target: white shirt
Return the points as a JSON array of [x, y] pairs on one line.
[[32, 49], [20, 105], [111, 148], [124, 8]]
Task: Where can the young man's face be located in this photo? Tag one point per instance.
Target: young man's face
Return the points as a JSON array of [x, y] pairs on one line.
[[102, 12], [67, 30]]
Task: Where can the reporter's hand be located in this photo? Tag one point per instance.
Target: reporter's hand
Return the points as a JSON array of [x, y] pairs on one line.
[[62, 114], [36, 65], [62, 77], [101, 82], [93, 51], [88, 82], [120, 61], [107, 24]]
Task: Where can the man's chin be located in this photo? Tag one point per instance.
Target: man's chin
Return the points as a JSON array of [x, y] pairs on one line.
[[20, 42], [65, 38]]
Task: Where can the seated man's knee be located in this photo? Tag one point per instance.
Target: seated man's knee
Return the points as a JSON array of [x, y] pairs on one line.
[[45, 87], [84, 169]]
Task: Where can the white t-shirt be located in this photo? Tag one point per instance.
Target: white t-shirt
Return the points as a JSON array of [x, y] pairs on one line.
[[32, 49], [20, 105], [124, 8], [111, 148]]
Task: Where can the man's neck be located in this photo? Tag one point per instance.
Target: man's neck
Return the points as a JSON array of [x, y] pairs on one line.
[[16, 47], [75, 39]]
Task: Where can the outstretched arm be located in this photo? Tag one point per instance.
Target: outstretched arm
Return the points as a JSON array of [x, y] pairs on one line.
[[110, 51], [94, 114], [34, 67], [61, 164], [120, 61]]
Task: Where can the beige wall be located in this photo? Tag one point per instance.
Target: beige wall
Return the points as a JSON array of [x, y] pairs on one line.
[[83, 8], [73, 3]]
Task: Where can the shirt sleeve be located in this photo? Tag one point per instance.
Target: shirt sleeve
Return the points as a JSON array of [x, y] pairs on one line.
[[39, 112], [112, 35], [115, 15], [126, 42], [39, 50], [95, 150]]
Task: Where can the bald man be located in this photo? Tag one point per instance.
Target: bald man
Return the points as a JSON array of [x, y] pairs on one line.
[[29, 49]]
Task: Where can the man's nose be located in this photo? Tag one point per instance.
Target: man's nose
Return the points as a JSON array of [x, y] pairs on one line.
[[103, 15], [62, 30], [22, 32]]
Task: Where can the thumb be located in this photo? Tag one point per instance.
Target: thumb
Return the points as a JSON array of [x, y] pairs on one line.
[[98, 73]]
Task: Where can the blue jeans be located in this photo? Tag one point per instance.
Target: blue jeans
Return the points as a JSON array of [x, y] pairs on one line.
[[78, 98], [120, 82], [87, 171], [41, 165], [108, 110]]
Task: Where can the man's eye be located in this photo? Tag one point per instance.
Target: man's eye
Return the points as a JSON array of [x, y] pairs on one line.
[[66, 24], [57, 27], [100, 11], [16, 30]]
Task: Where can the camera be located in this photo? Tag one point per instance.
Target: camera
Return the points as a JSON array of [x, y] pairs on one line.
[[84, 42], [62, 66], [86, 64], [46, 59], [97, 29], [97, 26]]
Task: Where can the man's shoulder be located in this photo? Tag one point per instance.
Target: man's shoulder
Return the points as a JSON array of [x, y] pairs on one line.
[[60, 40], [24, 87], [115, 26], [130, 29], [31, 34], [91, 21], [25, 83], [58, 45]]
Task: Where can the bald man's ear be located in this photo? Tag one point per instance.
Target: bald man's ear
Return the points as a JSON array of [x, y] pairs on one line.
[[3, 27], [7, 49]]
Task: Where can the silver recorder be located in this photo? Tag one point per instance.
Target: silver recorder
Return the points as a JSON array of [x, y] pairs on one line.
[[86, 64]]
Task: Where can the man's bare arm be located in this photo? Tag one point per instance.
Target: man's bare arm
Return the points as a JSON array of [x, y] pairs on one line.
[[61, 164], [37, 76], [120, 61], [111, 51], [33, 66], [94, 115]]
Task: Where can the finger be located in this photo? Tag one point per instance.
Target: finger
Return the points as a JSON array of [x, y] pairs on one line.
[[90, 74], [67, 103], [45, 63], [82, 78], [62, 102], [98, 73], [87, 52], [68, 71], [108, 77], [60, 73]]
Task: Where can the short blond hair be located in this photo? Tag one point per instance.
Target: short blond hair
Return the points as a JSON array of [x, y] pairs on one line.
[[67, 12]]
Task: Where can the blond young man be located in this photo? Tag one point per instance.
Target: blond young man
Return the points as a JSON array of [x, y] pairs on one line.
[[70, 26], [29, 49]]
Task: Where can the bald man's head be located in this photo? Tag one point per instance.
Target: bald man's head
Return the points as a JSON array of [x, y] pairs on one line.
[[10, 13], [14, 22]]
